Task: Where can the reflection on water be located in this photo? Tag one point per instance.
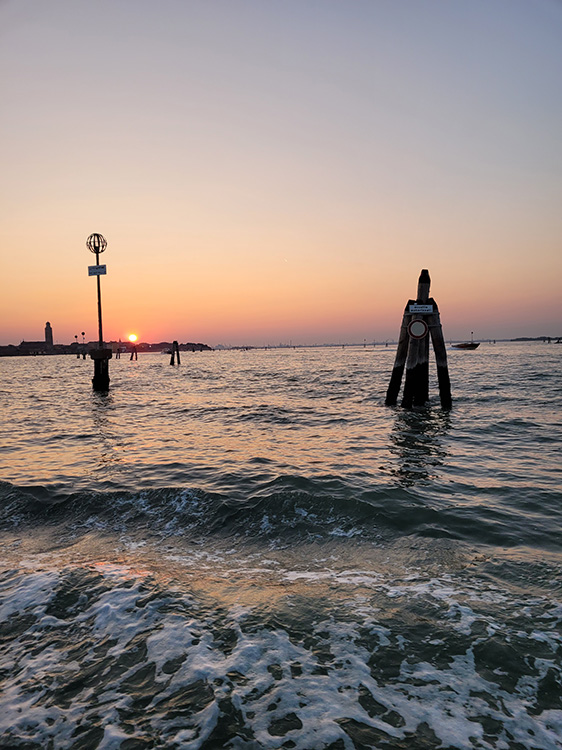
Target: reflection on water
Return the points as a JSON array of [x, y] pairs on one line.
[[106, 452], [232, 422], [417, 440]]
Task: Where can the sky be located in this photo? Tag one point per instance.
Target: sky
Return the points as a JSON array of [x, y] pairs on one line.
[[275, 171]]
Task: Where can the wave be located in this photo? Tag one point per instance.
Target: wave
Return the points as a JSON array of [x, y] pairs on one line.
[[292, 508]]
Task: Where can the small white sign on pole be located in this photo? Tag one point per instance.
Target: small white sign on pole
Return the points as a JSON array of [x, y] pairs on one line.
[[421, 308], [97, 270]]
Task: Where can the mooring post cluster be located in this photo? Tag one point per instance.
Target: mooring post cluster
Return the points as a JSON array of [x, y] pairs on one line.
[[175, 352], [420, 322]]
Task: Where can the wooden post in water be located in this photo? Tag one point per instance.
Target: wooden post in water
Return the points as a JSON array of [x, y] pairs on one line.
[[175, 350], [438, 342], [416, 385], [419, 322]]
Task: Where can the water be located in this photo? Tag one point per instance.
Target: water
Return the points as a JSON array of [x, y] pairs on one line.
[[252, 551]]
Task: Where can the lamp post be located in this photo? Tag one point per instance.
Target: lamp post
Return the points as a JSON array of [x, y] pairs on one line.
[[96, 244]]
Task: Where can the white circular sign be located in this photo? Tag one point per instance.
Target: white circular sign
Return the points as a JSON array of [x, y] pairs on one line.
[[418, 329]]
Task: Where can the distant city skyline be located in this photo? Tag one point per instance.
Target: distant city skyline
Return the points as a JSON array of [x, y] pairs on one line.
[[82, 341], [275, 172]]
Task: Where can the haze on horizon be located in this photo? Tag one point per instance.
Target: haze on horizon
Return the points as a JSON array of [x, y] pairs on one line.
[[275, 172]]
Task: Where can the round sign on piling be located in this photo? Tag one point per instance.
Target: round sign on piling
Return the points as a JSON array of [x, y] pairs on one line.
[[418, 329]]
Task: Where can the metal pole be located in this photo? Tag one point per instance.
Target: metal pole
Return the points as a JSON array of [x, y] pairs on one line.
[[100, 331], [96, 244]]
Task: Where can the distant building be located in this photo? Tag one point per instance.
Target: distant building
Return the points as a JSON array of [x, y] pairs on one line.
[[33, 347], [38, 347]]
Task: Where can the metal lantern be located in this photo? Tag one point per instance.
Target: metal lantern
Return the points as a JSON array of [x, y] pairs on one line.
[[96, 243]]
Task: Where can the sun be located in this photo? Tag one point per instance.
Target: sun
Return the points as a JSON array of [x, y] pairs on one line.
[[133, 337]]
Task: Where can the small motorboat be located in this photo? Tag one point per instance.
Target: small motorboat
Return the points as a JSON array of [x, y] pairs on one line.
[[472, 344], [467, 345]]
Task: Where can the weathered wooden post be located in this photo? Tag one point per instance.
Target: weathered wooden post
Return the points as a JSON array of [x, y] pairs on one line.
[[416, 385], [419, 322], [96, 243], [175, 350]]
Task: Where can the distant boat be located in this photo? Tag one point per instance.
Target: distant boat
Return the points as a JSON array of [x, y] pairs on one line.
[[467, 345], [472, 344]]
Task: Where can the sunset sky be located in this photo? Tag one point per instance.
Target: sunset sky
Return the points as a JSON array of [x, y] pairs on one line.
[[269, 171]]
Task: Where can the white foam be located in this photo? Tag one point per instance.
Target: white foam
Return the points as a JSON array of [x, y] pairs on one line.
[[330, 666], [34, 592], [112, 738]]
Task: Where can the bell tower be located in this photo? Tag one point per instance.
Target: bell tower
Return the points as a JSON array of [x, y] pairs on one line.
[[48, 335]]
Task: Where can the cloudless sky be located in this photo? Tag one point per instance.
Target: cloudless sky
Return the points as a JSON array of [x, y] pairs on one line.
[[269, 171]]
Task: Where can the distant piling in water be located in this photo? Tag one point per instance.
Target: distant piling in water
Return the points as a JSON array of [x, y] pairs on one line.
[[420, 322], [175, 351]]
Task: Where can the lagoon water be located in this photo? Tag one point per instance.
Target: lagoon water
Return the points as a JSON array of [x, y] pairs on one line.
[[251, 551]]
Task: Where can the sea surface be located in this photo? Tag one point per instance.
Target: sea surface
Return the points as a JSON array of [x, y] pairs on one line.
[[250, 550]]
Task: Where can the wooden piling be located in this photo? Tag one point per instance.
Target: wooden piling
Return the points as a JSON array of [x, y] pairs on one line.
[[420, 322], [416, 384], [175, 351], [399, 362], [436, 333]]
